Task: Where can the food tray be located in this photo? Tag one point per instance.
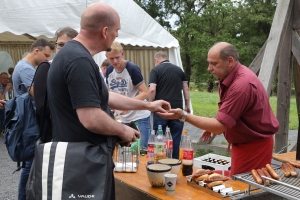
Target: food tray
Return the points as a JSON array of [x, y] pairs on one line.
[[203, 162], [204, 189], [288, 187]]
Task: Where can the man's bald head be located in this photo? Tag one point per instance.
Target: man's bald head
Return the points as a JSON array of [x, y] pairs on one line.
[[98, 15], [225, 49]]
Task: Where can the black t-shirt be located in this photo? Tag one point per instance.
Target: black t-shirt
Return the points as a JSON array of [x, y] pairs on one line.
[[74, 81], [168, 79], [40, 86]]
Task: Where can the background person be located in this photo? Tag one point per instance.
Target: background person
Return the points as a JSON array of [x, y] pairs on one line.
[[78, 96], [5, 86], [125, 77], [103, 69], [10, 72], [63, 35], [166, 82], [23, 75], [244, 117]]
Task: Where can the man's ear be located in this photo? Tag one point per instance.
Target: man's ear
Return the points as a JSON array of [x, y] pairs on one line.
[[230, 61], [104, 32], [36, 51]]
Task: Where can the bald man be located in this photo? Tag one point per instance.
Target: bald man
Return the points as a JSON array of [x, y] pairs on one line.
[[78, 97], [244, 117]]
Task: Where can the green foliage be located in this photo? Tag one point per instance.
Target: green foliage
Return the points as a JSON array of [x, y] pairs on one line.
[[201, 23]]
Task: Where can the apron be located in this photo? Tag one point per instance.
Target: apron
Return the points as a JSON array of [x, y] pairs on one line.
[[252, 155]]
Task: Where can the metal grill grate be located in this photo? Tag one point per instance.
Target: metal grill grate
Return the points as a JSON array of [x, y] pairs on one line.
[[287, 187]]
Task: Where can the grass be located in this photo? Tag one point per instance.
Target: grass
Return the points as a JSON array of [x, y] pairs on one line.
[[201, 152], [206, 104]]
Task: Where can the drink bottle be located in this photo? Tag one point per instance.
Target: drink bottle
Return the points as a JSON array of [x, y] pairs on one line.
[[159, 148], [182, 142], [138, 141], [151, 145], [169, 143], [187, 158]]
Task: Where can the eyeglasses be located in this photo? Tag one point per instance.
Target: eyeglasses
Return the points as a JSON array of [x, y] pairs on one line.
[[59, 44]]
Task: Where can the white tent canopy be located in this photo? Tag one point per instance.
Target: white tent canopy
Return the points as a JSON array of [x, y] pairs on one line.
[[42, 18]]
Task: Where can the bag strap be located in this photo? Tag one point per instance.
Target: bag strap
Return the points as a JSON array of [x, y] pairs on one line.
[[44, 121]]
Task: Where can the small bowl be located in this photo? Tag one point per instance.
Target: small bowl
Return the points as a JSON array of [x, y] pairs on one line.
[[156, 174], [174, 163]]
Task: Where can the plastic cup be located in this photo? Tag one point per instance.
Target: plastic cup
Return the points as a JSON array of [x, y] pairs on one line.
[[170, 183]]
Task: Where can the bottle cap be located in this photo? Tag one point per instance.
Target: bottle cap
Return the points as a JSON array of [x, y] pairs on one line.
[[184, 132]]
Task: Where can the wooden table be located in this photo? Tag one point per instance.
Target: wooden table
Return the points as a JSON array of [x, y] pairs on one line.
[[285, 157], [136, 186]]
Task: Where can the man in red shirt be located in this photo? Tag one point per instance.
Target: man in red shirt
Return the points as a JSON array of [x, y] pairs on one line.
[[244, 117]]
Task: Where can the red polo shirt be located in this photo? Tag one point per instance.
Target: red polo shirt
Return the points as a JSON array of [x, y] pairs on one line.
[[244, 107]]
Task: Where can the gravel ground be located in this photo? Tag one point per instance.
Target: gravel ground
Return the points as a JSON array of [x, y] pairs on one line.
[[9, 182]]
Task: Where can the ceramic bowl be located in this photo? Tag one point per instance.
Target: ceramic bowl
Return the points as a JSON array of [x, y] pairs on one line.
[[156, 174], [174, 163]]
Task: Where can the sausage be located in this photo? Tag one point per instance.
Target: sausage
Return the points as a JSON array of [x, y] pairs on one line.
[[201, 178], [200, 173], [295, 164], [256, 177], [272, 172], [286, 170], [260, 172], [267, 174], [221, 178], [212, 184], [292, 170]]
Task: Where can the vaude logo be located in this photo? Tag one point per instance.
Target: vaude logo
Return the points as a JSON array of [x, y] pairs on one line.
[[86, 196], [80, 196]]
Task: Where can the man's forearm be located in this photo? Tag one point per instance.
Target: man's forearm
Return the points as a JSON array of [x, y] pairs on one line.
[[127, 103], [186, 94], [97, 121], [141, 96]]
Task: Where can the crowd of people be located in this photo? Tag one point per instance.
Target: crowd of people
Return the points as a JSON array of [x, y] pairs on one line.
[[81, 108]]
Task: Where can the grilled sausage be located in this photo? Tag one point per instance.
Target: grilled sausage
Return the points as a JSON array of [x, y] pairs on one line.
[[272, 172], [201, 178], [221, 178], [267, 174], [292, 170], [260, 172], [256, 177], [295, 164], [286, 170]]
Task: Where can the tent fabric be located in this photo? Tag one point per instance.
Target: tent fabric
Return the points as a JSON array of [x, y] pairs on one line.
[[42, 18]]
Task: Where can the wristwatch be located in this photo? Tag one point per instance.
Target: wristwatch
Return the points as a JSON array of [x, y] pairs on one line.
[[182, 119]]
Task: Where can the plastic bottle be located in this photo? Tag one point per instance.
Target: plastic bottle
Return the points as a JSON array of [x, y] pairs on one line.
[[169, 143], [188, 158], [151, 146], [182, 143], [138, 141], [159, 149]]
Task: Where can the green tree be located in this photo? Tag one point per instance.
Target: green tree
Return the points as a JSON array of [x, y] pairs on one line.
[[201, 23]]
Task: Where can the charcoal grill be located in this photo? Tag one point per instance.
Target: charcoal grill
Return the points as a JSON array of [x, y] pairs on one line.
[[288, 187]]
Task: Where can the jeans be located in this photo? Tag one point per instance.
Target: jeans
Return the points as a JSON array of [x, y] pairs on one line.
[[175, 126], [23, 180], [144, 127]]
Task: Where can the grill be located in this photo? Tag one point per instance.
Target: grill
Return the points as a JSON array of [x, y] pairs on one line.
[[288, 187]]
